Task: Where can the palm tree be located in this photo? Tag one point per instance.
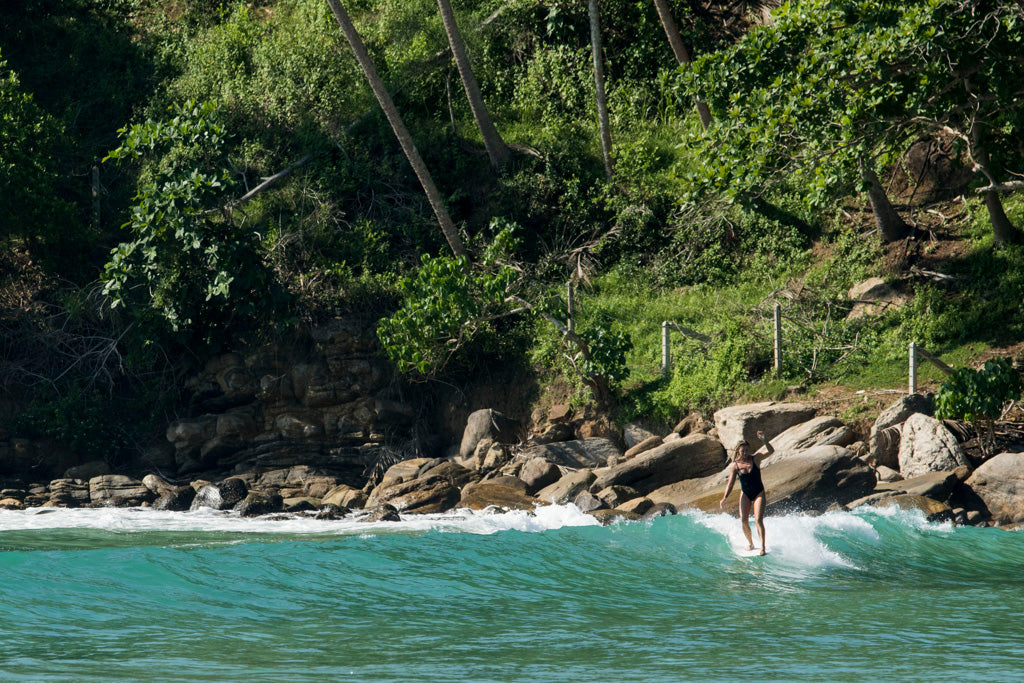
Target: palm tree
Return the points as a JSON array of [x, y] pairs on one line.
[[602, 102], [496, 148], [681, 53], [891, 225], [395, 119]]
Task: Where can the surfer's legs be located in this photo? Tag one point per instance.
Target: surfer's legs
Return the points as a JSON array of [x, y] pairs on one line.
[[759, 520], [745, 520]]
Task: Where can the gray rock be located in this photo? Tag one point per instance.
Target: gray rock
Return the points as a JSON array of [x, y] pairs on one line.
[[645, 445], [592, 452], [538, 473], [428, 493], [175, 499], [110, 487], [999, 484], [344, 496], [927, 446], [635, 433], [221, 495], [382, 513], [690, 457], [258, 503], [824, 430], [568, 487], [587, 502], [508, 493], [69, 492], [637, 506], [743, 422], [874, 296], [616, 495], [487, 424], [884, 441]]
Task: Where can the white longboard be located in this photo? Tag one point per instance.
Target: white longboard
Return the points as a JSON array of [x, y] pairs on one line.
[[743, 552]]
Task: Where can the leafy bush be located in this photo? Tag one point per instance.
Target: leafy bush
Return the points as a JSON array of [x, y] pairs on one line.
[[187, 268], [979, 396]]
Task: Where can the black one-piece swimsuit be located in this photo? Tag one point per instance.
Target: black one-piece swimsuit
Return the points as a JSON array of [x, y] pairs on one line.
[[750, 482]]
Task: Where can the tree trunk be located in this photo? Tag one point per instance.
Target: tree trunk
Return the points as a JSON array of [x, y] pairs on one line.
[[681, 53], [1003, 231], [496, 148], [408, 146], [602, 102], [891, 225]]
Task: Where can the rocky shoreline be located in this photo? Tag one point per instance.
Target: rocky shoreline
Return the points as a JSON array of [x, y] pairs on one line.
[[317, 427], [911, 461]]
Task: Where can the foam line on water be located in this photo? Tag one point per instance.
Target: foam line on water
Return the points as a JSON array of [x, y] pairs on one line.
[[208, 520]]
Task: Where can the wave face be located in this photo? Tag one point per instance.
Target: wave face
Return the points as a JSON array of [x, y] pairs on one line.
[[99, 595]]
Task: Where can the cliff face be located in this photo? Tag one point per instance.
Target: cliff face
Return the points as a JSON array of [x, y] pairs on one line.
[[322, 398]]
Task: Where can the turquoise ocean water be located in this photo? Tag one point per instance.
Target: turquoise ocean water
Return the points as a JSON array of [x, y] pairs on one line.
[[139, 595]]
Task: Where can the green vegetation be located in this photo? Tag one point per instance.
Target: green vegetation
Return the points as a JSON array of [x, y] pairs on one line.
[[808, 180], [979, 396]]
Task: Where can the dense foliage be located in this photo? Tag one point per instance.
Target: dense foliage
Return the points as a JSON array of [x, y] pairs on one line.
[[707, 229]]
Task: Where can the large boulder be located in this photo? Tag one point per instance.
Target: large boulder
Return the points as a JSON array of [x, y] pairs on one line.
[[344, 496], [222, 495], [175, 499], [538, 473], [812, 480], [436, 487], [635, 433], [927, 446], [690, 457], [645, 445], [508, 493], [999, 484], [884, 442], [737, 423], [593, 452], [487, 424], [568, 487], [118, 489], [873, 297], [256, 503], [824, 430], [69, 492]]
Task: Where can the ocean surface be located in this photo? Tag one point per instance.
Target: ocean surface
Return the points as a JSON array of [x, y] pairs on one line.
[[140, 595]]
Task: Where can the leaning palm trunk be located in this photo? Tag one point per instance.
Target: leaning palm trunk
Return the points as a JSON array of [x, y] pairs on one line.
[[890, 224], [602, 102], [681, 53], [408, 146], [495, 146]]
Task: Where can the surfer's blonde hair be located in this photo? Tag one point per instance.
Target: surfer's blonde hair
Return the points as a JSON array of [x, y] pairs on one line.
[[736, 453]]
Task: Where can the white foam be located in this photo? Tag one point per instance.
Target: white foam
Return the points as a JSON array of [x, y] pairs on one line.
[[208, 520], [791, 538], [915, 519]]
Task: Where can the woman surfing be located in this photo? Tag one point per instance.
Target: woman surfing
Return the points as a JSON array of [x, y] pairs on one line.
[[751, 488]]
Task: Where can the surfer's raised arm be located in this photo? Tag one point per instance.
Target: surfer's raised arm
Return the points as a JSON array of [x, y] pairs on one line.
[[766, 446]]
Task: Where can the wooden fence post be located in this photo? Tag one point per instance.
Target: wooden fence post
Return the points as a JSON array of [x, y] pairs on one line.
[[666, 356], [569, 324], [778, 340], [913, 368]]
